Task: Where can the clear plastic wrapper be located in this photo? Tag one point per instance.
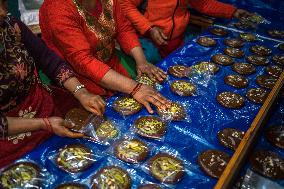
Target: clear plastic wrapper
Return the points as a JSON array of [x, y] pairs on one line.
[[257, 19], [150, 127], [78, 118], [253, 180], [202, 73], [103, 130], [74, 158], [113, 174], [146, 184], [71, 185], [167, 166], [176, 112], [144, 79], [122, 106], [25, 174], [131, 149]]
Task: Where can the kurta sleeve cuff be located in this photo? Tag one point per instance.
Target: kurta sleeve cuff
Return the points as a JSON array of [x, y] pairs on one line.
[[3, 126], [128, 42], [63, 74], [145, 27], [229, 11]]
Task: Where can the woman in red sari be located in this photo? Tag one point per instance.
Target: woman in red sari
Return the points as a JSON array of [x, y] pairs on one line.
[[29, 111], [84, 33]]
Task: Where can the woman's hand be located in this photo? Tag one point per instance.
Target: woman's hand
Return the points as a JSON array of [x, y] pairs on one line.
[[158, 36], [153, 72], [61, 128], [92, 103], [147, 95], [241, 13]]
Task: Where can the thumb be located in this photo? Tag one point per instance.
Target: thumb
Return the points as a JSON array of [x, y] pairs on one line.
[[163, 35], [139, 73], [71, 134]]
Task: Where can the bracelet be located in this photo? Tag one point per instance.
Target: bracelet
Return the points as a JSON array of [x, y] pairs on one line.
[[136, 89], [78, 87], [47, 124]]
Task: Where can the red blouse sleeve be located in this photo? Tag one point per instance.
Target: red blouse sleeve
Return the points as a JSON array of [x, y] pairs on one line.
[[213, 8], [65, 27], [126, 35], [131, 11]]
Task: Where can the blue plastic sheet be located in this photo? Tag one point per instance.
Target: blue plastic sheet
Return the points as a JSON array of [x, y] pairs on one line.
[[276, 119], [190, 137], [272, 10]]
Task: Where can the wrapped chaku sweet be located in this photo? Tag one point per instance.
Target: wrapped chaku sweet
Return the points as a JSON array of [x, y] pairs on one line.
[[131, 150], [111, 177], [166, 168], [21, 175], [74, 158], [150, 127], [126, 106], [206, 41]]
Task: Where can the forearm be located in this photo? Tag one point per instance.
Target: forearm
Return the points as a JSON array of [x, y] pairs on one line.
[[117, 82], [22, 125], [138, 55]]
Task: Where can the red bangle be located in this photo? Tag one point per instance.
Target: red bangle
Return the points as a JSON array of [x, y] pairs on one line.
[[136, 89], [47, 124]]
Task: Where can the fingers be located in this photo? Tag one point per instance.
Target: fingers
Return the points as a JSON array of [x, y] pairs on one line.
[[156, 73], [157, 99], [157, 36], [164, 103], [139, 73], [70, 134], [95, 111], [102, 104], [160, 39], [163, 35], [148, 107], [160, 74], [157, 103], [151, 76], [97, 106], [68, 124]]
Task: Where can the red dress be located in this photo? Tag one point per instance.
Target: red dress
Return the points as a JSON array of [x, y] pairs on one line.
[[87, 40]]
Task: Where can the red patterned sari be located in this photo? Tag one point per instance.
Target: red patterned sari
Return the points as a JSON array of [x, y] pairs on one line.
[[21, 93]]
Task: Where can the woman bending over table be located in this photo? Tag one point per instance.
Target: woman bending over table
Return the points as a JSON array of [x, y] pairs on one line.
[[84, 32], [29, 111]]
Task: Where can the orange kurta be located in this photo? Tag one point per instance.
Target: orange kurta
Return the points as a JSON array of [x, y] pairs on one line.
[[87, 40], [171, 16]]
